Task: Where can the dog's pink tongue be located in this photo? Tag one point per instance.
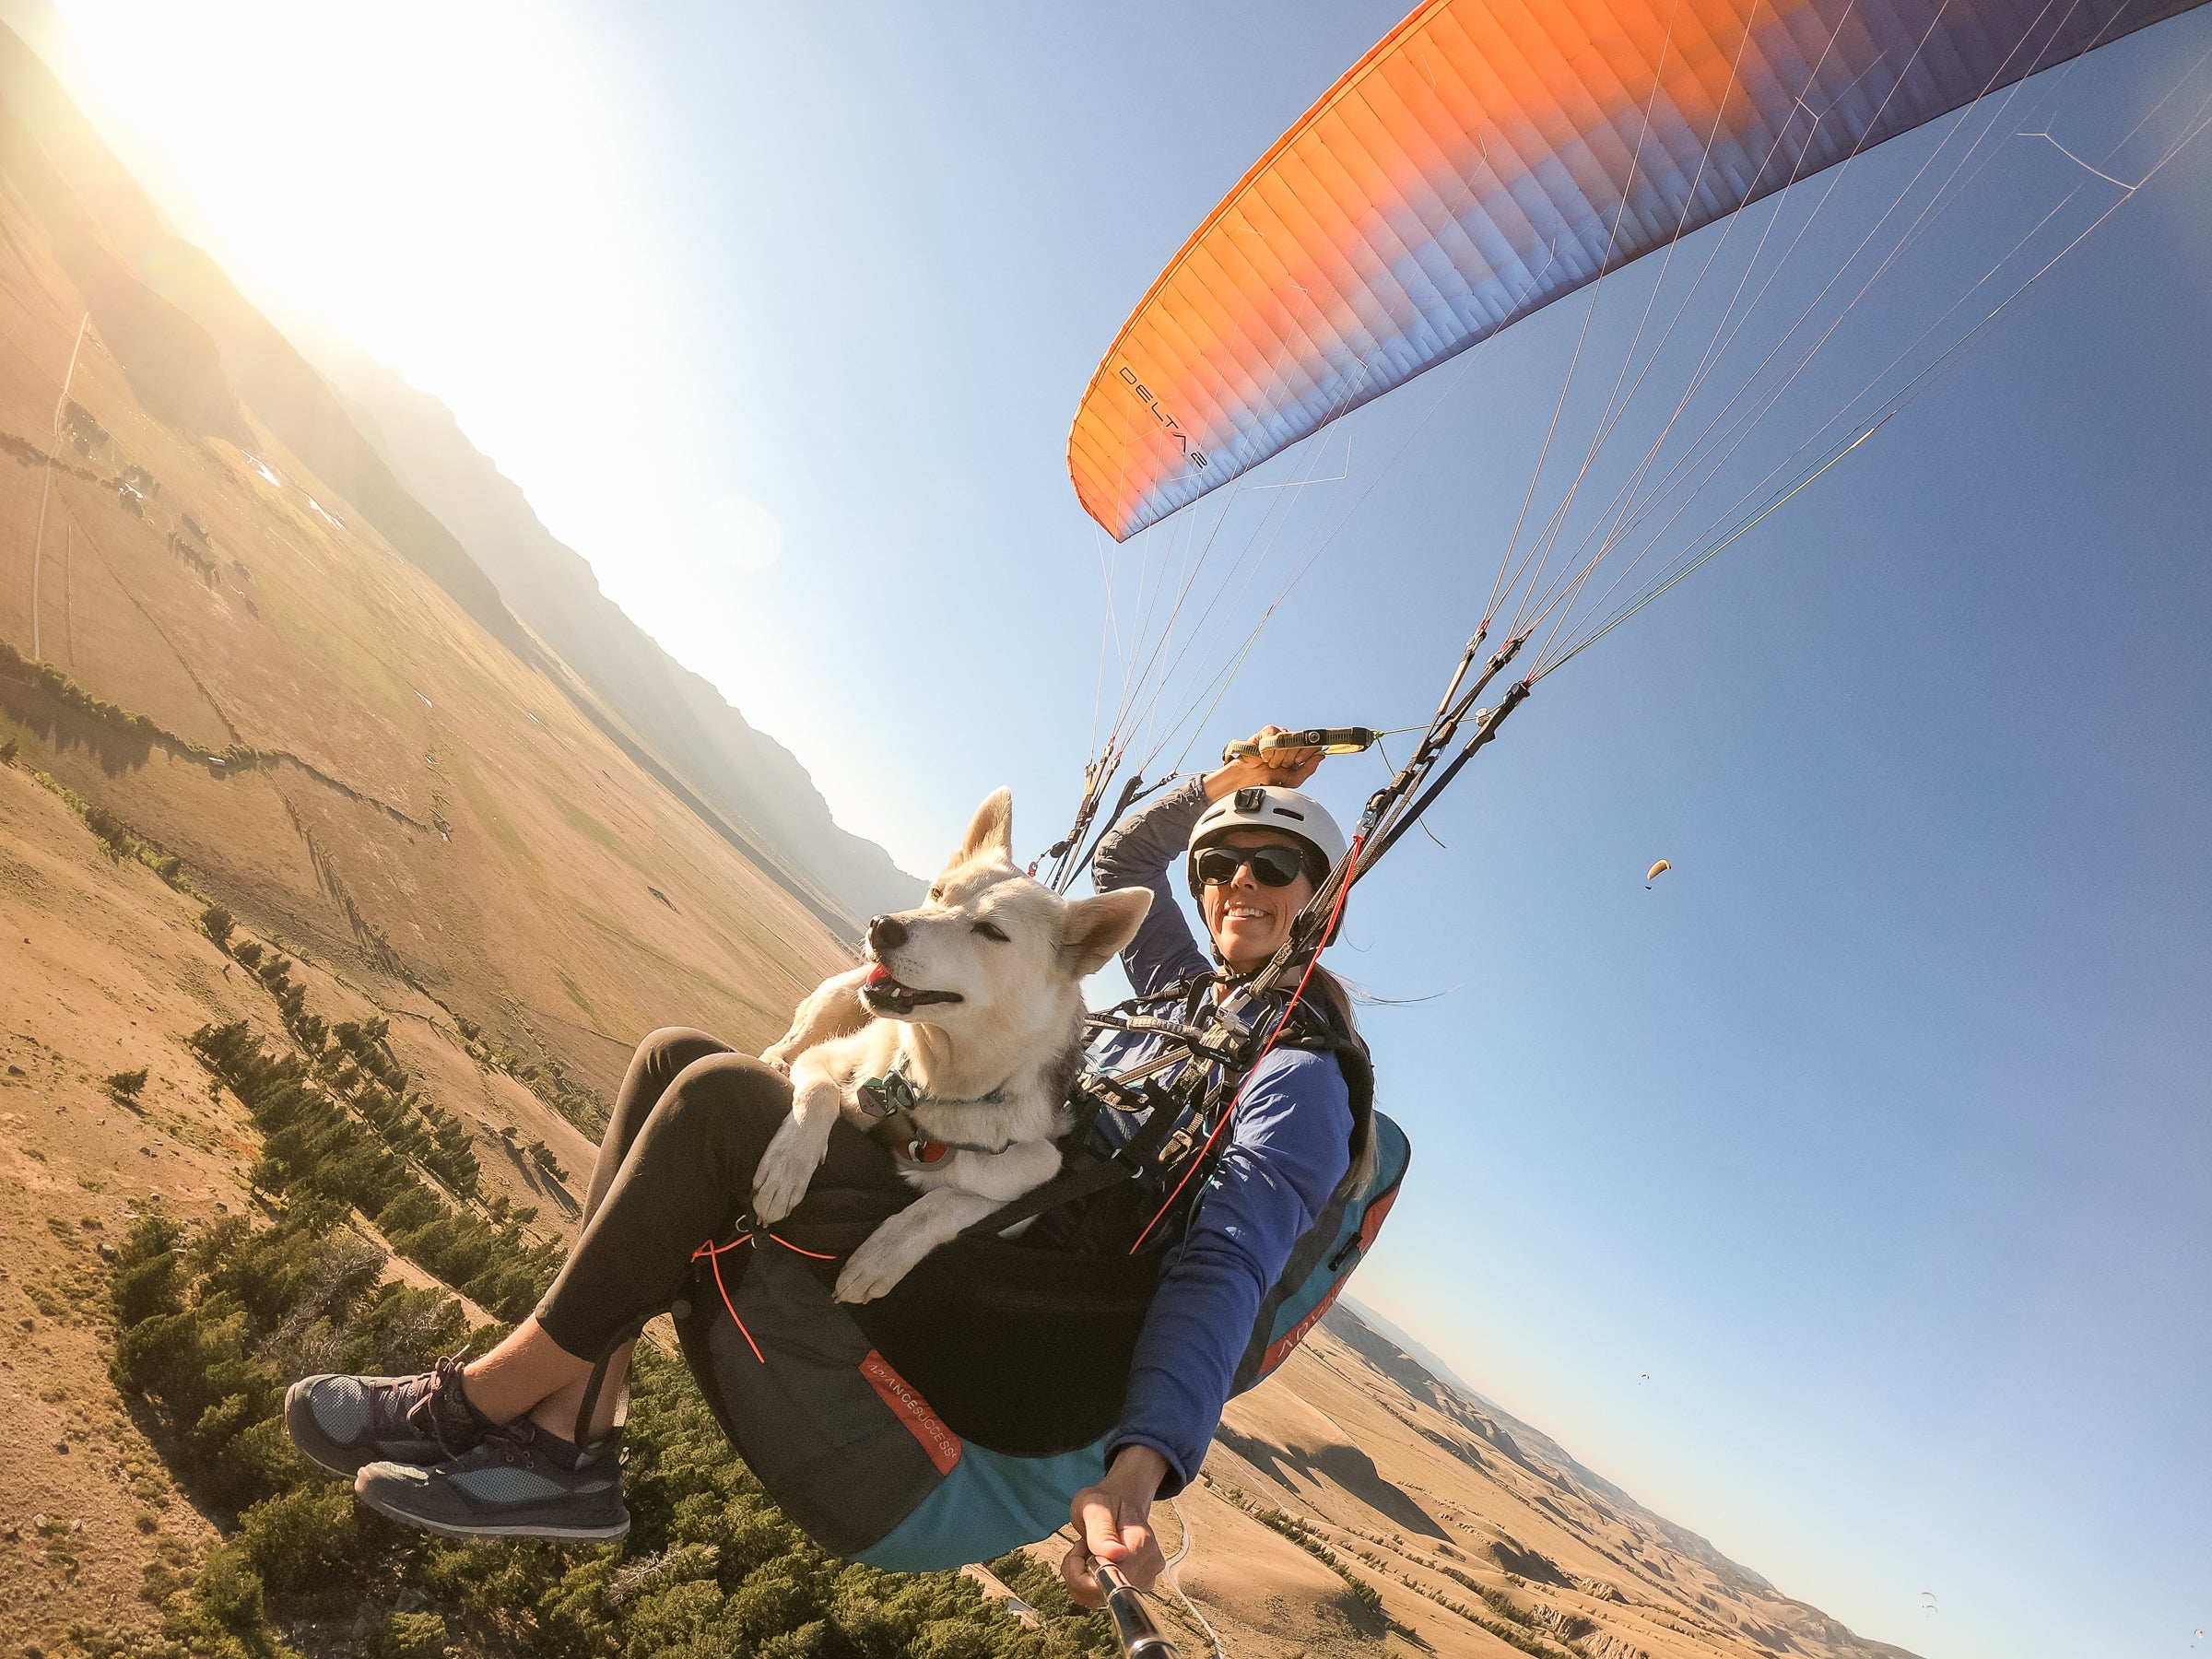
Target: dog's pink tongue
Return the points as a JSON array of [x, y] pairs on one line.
[[880, 975]]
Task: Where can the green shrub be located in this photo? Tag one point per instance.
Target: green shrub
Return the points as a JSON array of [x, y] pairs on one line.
[[406, 1636], [113, 833], [125, 1086], [295, 1541], [217, 923], [147, 1279], [231, 1591]]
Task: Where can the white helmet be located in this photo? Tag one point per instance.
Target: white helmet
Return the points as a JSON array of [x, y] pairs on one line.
[[1264, 806]]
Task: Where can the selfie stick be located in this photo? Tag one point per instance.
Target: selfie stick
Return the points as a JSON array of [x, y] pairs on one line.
[[1330, 740], [1140, 1638]]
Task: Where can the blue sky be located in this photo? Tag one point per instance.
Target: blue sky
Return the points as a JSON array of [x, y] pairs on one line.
[[1876, 1133]]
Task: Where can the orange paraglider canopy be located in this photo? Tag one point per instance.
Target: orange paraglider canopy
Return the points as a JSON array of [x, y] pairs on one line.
[[1488, 156]]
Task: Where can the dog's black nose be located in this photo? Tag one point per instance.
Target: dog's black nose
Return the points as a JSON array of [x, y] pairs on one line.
[[886, 933]]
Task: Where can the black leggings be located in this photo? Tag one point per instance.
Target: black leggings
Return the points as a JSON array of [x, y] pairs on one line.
[[676, 1168]]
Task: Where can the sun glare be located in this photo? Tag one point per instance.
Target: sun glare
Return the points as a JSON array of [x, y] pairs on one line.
[[745, 532], [447, 185]]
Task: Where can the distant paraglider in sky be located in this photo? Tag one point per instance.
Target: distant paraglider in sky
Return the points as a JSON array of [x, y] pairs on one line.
[[1653, 874], [1927, 1602]]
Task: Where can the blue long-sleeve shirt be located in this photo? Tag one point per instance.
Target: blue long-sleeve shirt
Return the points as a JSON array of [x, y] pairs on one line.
[[1287, 1145]]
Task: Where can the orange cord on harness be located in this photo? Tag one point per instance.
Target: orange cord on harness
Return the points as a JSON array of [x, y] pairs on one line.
[[713, 1251], [1335, 912]]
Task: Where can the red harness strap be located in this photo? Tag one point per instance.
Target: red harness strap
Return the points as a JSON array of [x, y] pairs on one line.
[[713, 1253]]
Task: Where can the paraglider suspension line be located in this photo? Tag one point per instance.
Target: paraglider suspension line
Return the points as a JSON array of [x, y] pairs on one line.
[[1515, 695]]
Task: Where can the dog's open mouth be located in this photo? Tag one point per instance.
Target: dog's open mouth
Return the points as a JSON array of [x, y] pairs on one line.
[[884, 994]]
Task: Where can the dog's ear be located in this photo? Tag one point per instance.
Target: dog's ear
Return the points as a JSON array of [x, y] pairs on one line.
[[991, 830], [1095, 929]]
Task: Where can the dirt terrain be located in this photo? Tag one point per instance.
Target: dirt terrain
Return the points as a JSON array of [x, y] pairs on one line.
[[260, 763], [1475, 1543]]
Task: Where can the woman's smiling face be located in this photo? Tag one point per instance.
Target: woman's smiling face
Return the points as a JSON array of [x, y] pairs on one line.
[[1250, 921]]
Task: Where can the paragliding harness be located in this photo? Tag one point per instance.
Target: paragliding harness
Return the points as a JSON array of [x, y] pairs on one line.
[[956, 1418]]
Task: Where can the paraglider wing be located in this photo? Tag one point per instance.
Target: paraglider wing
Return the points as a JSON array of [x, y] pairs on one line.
[[1488, 157], [1653, 874]]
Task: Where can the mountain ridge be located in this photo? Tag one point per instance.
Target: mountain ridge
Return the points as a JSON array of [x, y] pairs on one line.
[[555, 591], [200, 353], [1542, 1446]]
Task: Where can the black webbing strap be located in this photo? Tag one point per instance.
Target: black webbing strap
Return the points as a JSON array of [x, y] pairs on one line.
[[1187, 1099], [1094, 1175], [582, 1435], [1190, 1038]]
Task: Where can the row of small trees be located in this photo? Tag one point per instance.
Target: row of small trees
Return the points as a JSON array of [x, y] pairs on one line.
[[546, 1077], [312, 1145], [355, 1062]]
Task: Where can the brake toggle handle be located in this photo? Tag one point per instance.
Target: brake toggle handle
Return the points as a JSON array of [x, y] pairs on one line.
[[1330, 740]]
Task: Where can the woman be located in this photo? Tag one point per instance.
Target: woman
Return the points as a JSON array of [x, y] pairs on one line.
[[521, 1442], [1287, 1146]]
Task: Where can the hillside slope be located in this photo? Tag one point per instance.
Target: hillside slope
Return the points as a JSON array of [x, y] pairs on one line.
[[745, 772], [198, 354], [1355, 1502], [343, 735]]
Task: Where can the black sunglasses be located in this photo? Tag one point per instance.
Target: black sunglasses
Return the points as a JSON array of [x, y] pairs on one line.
[[1272, 867]]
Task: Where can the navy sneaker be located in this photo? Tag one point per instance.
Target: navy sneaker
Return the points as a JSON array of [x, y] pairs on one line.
[[341, 1423], [519, 1483]]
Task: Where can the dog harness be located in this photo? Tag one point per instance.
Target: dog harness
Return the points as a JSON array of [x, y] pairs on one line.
[[890, 1100]]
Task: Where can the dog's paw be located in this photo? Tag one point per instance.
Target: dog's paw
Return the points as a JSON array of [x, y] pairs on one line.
[[883, 1259], [780, 1179]]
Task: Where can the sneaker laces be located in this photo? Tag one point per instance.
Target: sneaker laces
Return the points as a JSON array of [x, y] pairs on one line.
[[524, 1443], [442, 1410]]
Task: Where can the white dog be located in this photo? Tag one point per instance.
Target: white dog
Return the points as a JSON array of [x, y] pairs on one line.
[[973, 1032]]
